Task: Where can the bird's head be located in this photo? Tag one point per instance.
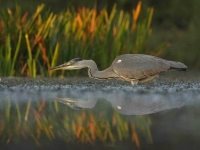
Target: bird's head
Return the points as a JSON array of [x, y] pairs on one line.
[[76, 63]]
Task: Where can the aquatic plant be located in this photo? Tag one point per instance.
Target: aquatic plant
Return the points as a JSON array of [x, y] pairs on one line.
[[31, 44]]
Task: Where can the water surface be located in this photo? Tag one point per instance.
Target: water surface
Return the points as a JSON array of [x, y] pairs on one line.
[[47, 113]]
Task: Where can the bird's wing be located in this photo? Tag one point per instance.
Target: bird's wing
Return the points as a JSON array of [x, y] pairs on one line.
[[139, 66]]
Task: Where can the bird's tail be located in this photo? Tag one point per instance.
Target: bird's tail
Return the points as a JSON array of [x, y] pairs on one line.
[[177, 66]]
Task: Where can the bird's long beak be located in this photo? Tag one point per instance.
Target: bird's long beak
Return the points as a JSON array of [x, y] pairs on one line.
[[60, 67]]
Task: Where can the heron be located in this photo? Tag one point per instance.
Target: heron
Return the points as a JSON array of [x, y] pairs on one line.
[[133, 68]]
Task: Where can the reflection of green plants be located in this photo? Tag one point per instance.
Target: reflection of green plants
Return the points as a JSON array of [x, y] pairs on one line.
[[31, 44], [32, 121]]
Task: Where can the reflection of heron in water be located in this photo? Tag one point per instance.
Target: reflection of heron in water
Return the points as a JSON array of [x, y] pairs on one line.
[[127, 106], [76, 103], [134, 68]]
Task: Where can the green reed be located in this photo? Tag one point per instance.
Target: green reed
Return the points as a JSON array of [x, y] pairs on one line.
[[31, 44]]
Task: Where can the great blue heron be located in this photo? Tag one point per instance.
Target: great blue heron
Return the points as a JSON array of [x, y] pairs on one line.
[[134, 68]]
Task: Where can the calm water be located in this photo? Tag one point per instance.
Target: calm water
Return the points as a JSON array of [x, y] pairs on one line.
[[51, 113]]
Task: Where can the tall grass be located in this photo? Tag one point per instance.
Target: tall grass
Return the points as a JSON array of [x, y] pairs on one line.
[[31, 44]]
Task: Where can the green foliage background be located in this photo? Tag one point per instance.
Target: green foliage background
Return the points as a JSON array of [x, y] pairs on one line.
[[32, 44], [34, 38]]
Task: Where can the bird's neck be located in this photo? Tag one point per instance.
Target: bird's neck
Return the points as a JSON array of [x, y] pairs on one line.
[[92, 68], [93, 71]]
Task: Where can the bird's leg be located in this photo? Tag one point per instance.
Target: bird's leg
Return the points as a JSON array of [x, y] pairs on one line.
[[133, 82], [149, 78]]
